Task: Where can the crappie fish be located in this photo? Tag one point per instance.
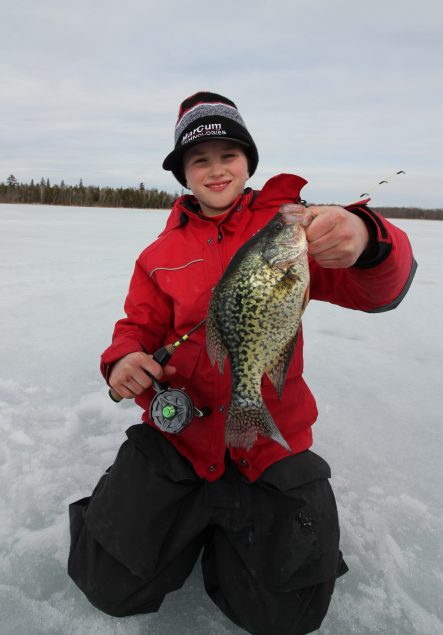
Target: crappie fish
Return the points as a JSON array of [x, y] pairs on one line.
[[254, 316]]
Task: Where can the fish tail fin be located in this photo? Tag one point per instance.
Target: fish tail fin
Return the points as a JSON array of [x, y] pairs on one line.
[[245, 421]]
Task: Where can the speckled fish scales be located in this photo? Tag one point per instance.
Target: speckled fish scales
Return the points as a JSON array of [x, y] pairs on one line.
[[254, 316]]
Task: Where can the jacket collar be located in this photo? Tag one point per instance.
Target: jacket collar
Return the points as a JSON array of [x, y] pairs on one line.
[[280, 189], [186, 208]]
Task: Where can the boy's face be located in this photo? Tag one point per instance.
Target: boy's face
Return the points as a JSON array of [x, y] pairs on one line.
[[216, 172]]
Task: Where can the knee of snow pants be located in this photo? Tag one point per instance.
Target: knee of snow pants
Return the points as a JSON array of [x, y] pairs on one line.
[[136, 538], [108, 584], [276, 574]]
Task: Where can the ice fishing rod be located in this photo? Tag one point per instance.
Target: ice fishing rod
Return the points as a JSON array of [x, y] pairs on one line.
[[171, 409], [382, 182]]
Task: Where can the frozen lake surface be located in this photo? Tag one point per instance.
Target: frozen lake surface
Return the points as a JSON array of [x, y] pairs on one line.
[[64, 273]]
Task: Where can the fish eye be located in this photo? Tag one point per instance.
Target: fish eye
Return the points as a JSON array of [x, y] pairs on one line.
[[278, 227]]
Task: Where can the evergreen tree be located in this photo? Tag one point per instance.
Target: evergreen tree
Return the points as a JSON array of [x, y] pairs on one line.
[[42, 190]]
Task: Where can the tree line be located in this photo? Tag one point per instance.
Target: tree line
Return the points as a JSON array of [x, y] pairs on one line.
[[411, 212], [141, 197], [80, 195]]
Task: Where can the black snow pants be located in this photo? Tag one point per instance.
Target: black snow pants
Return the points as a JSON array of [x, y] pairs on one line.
[[270, 548]]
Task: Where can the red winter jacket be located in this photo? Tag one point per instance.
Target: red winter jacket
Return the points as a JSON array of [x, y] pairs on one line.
[[169, 294]]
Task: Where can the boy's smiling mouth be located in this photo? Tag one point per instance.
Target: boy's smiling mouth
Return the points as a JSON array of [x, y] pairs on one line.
[[218, 186]]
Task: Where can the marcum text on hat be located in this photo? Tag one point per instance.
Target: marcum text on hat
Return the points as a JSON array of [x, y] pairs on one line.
[[202, 130]]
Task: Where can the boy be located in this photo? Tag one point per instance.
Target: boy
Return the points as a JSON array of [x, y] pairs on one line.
[[265, 518]]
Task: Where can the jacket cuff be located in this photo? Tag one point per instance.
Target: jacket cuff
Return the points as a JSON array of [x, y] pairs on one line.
[[116, 351], [394, 304], [379, 241], [105, 370]]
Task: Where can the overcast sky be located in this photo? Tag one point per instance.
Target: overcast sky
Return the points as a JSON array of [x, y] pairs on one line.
[[342, 92]]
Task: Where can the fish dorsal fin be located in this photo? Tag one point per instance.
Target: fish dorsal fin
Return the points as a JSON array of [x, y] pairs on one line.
[[215, 346], [278, 371]]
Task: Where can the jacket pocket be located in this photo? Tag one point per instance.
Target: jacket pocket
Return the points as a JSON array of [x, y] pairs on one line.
[[295, 471]]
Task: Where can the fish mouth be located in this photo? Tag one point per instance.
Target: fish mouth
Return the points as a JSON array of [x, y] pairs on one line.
[[296, 213]]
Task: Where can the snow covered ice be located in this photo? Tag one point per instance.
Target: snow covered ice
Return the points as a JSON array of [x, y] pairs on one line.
[[64, 273]]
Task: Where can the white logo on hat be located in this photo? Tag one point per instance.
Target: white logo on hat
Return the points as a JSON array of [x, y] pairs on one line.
[[209, 129]]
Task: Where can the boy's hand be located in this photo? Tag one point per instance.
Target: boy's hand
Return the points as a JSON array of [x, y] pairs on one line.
[[129, 378], [336, 237]]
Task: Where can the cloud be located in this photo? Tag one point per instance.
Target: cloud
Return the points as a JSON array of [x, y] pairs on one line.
[[92, 90]]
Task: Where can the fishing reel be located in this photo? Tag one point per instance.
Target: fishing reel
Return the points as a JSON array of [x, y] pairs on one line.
[[172, 409]]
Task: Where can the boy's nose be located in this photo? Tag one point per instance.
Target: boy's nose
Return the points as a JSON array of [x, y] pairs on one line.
[[216, 169]]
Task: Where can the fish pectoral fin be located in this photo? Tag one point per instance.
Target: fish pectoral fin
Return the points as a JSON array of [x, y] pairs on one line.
[[278, 371], [215, 346]]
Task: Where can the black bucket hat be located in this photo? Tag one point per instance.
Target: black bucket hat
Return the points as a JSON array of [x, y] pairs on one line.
[[205, 117]]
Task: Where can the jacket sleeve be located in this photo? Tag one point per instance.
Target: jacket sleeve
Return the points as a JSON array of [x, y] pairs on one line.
[[148, 315], [379, 280]]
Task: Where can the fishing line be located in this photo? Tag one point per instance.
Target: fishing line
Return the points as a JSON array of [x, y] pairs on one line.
[[382, 182]]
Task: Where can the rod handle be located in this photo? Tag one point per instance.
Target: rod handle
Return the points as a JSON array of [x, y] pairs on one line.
[[114, 395]]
